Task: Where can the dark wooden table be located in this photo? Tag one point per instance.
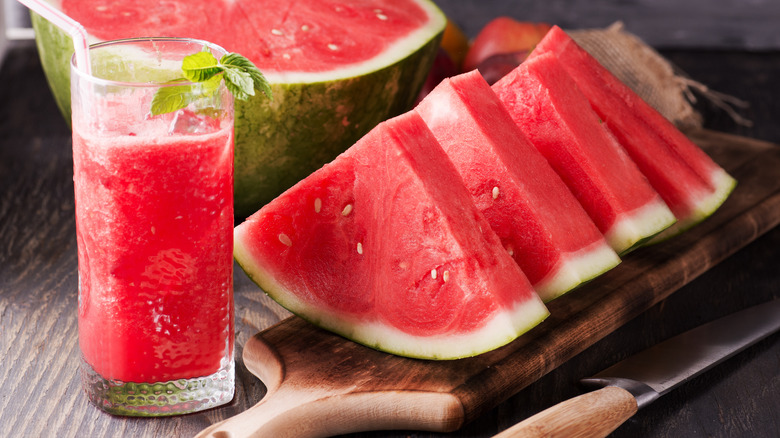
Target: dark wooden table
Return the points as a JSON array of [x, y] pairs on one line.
[[40, 394]]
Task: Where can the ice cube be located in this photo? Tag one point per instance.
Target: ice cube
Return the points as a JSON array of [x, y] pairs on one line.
[[186, 121]]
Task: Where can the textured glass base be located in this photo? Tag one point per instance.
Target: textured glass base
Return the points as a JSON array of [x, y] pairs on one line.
[[161, 398]]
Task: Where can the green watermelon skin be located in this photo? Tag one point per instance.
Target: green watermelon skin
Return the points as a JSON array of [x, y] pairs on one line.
[[384, 246], [55, 49], [310, 120], [539, 221], [549, 108], [691, 184]]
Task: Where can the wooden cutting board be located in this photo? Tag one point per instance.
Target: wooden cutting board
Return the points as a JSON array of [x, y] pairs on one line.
[[320, 384]]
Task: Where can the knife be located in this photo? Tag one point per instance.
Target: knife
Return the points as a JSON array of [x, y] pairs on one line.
[[639, 380]]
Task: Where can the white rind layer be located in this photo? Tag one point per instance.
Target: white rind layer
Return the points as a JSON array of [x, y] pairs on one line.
[[705, 206], [635, 227], [577, 268], [499, 330]]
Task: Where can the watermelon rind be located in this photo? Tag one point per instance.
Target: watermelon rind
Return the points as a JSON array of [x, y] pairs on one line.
[[577, 269], [55, 49], [635, 228], [502, 329], [310, 120], [724, 185]]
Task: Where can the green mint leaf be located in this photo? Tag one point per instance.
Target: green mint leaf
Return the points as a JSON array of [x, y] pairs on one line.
[[169, 99], [200, 67], [241, 77], [175, 97], [241, 63], [239, 83]]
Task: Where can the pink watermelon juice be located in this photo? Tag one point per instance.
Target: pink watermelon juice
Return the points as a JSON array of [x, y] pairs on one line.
[[154, 221], [155, 255]]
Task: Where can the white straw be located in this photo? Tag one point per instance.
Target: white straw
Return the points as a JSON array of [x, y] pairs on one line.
[[67, 24]]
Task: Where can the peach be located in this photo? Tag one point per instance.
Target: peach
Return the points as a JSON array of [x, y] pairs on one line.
[[504, 35]]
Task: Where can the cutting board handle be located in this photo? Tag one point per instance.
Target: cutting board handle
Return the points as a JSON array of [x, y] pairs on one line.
[[593, 414], [303, 403]]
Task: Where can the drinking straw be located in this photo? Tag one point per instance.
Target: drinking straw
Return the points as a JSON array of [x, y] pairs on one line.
[[67, 24]]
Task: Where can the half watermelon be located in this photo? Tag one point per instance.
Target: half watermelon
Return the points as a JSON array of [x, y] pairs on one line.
[[687, 179], [337, 68], [539, 221], [548, 107], [385, 247]]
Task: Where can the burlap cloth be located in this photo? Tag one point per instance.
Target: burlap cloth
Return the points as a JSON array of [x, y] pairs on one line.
[[654, 78]]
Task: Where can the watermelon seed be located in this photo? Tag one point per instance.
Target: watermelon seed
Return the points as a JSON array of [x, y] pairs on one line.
[[433, 273], [495, 192], [305, 28], [317, 205], [277, 32], [382, 17], [445, 276], [360, 248], [332, 46], [347, 210], [285, 239]]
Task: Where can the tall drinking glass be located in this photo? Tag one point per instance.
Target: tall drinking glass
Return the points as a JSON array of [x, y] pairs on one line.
[[154, 219]]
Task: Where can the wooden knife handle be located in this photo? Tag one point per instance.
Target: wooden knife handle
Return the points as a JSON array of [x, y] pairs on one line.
[[593, 414]]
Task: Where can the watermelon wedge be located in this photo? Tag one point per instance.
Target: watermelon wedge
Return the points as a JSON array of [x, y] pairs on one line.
[[539, 221], [384, 246], [546, 104], [687, 179], [337, 68]]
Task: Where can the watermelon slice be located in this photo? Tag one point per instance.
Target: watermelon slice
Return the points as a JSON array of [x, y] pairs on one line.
[[688, 180], [537, 218], [337, 68], [547, 106], [385, 247]]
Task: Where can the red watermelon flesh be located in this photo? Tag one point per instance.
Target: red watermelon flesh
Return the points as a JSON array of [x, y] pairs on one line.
[[286, 36], [547, 105], [385, 247], [537, 218], [688, 180]]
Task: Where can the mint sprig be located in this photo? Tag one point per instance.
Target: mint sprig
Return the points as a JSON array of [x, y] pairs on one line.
[[241, 77]]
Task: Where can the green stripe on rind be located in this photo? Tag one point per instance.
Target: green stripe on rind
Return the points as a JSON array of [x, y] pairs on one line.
[[307, 124], [635, 227], [55, 48], [578, 268], [499, 331], [724, 185]]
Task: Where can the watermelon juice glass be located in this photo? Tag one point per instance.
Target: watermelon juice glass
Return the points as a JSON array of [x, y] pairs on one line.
[[154, 219]]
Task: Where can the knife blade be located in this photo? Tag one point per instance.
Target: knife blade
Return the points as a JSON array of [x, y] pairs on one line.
[[641, 379]]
